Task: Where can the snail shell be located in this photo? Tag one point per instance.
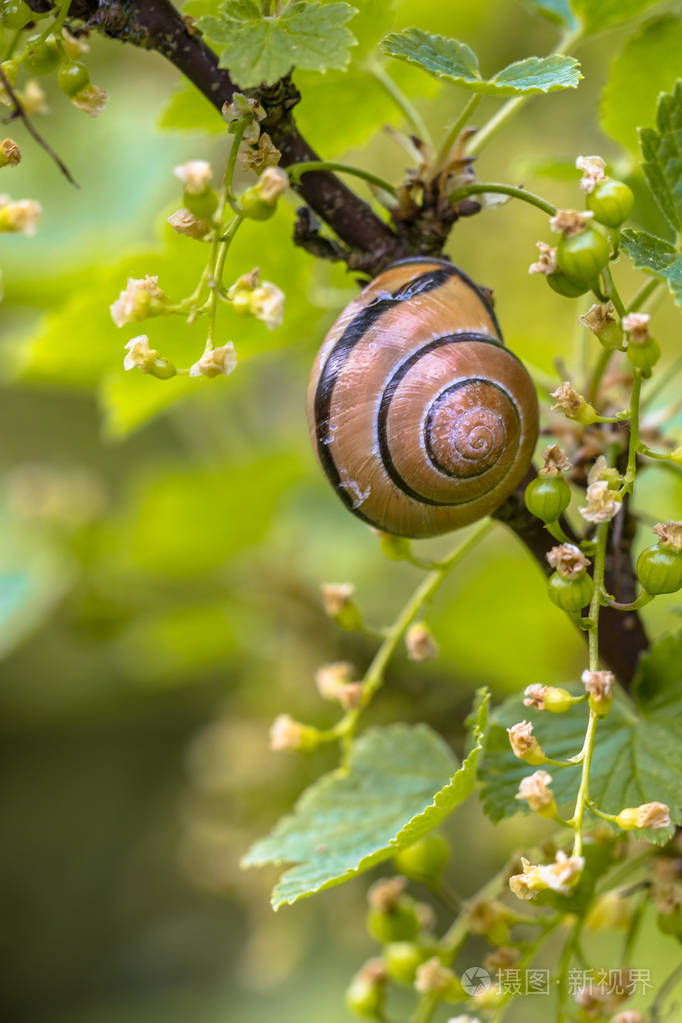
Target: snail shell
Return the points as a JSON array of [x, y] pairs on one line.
[[422, 420]]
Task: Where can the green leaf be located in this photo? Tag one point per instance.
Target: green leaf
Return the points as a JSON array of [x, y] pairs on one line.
[[661, 257], [401, 782], [455, 61], [440, 56], [596, 15], [534, 75], [260, 50], [662, 156], [636, 756], [188, 110], [648, 65], [556, 10]]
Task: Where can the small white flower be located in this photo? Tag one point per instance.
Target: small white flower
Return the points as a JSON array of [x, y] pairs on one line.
[[91, 99], [267, 304], [421, 646], [546, 264], [669, 534], [195, 176], [336, 597], [599, 684], [272, 182], [560, 876], [287, 734], [636, 326], [32, 98], [10, 154], [140, 355], [570, 222], [141, 297], [593, 171], [568, 560], [185, 222], [19, 215], [535, 790], [215, 362], [602, 503]]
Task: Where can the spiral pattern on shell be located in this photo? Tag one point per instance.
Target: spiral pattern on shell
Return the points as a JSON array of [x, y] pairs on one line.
[[422, 420]]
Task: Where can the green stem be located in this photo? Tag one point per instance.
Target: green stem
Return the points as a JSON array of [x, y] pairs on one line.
[[666, 988], [555, 530], [457, 128], [644, 293], [411, 113], [296, 170], [633, 448], [501, 189], [634, 605], [612, 292], [374, 676], [583, 796], [512, 106]]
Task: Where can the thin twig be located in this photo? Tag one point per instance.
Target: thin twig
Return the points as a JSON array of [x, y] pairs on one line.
[[21, 113]]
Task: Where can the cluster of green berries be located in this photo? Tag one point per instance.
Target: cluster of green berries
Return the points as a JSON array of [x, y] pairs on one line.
[[395, 921], [43, 56], [583, 250]]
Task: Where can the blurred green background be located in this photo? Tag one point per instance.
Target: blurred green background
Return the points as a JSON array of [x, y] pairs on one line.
[[162, 545]]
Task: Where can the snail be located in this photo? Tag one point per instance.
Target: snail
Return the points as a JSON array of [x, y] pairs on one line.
[[421, 419]]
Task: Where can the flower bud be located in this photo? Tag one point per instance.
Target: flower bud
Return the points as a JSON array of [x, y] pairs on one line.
[[339, 605], [490, 919], [524, 744], [330, 678], [10, 154], [435, 979], [611, 912], [648, 815], [392, 915], [602, 320], [141, 356], [573, 405], [568, 560], [215, 362], [421, 646], [551, 698], [287, 734], [259, 201], [535, 790], [141, 298], [19, 215], [642, 351], [599, 686], [366, 994], [195, 176], [602, 503], [184, 222], [560, 876]]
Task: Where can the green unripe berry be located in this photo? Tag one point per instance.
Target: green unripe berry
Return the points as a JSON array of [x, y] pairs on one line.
[[397, 924], [44, 58], [571, 595], [403, 958], [611, 202], [162, 369], [582, 256], [644, 355], [72, 77], [547, 497], [659, 569], [365, 997], [425, 859], [563, 285], [15, 14], [254, 207], [671, 923], [203, 205]]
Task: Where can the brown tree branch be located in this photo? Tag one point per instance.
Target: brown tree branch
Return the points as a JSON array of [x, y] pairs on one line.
[[19, 112], [371, 244]]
